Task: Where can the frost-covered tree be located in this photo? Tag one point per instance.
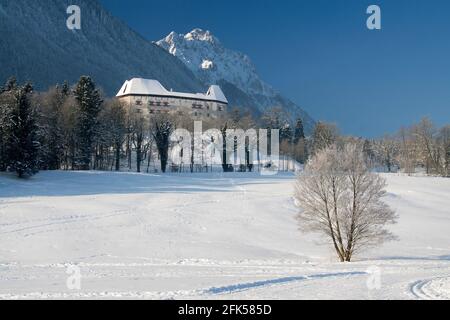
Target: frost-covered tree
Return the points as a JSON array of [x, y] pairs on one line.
[[387, 150], [89, 103], [408, 152], [444, 141], [324, 135], [52, 128], [342, 200], [430, 150]]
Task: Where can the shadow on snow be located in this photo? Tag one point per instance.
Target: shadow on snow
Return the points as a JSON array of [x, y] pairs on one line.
[[264, 283], [78, 183]]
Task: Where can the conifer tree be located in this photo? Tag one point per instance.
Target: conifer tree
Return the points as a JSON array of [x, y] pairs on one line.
[[6, 103], [89, 102], [299, 131], [22, 145]]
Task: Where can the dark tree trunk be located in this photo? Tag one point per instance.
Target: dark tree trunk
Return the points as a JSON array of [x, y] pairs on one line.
[[117, 156], [138, 157], [164, 163]]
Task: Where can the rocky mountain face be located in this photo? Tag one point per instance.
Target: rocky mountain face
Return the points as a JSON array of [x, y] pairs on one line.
[[213, 63], [36, 45]]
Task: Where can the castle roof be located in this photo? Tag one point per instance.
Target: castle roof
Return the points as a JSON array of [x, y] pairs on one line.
[[147, 87]]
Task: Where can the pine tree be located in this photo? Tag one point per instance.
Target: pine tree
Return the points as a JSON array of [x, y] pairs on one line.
[[286, 133], [22, 146], [300, 150], [89, 103], [9, 86], [6, 103], [65, 89], [299, 131]]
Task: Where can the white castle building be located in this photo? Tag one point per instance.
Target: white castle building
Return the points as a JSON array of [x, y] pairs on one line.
[[150, 97]]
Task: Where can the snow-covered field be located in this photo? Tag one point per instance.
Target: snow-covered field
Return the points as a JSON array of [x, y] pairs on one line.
[[207, 236]]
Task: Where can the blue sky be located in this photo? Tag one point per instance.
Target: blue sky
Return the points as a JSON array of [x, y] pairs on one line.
[[320, 54]]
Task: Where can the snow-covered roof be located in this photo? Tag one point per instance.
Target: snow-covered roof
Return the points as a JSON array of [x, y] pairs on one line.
[[147, 87]]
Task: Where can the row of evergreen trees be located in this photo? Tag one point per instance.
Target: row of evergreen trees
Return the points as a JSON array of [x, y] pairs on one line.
[[46, 131]]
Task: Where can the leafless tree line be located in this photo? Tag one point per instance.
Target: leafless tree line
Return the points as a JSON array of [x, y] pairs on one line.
[[421, 146]]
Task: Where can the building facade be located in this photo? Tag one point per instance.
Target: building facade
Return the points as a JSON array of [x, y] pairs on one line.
[[150, 97]]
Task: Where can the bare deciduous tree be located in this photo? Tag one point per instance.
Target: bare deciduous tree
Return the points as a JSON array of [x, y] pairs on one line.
[[113, 118], [431, 150], [162, 126], [341, 199]]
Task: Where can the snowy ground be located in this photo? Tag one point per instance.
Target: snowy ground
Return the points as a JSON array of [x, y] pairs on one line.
[[203, 236]]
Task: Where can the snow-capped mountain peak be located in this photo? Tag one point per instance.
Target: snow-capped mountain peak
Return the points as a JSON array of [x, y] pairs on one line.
[[200, 35], [213, 63], [204, 54]]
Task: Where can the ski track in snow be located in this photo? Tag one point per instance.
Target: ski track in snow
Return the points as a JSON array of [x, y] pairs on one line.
[[431, 289], [279, 281], [230, 289], [60, 221]]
